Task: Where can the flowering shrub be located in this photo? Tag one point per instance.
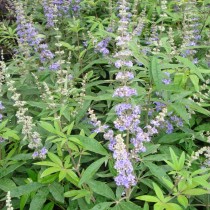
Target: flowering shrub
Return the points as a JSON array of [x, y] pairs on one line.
[[104, 105]]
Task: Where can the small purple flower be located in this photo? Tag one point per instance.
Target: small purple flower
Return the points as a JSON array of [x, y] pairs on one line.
[[124, 91], [124, 75], [102, 46], [167, 79], [1, 106], [2, 140], [43, 152], [55, 66], [169, 127], [35, 154], [1, 116]]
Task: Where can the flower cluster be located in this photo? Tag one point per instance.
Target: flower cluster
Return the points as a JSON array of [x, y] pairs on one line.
[[171, 41], [167, 79], [8, 201], [1, 108], [165, 120], [96, 123], [28, 35], [141, 23], [203, 151], [58, 8], [164, 8], [191, 34], [27, 121], [102, 46], [123, 164]]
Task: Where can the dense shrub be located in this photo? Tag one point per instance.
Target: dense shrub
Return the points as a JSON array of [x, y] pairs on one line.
[[104, 105]]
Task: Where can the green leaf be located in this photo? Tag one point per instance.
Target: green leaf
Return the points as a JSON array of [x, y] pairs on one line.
[[67, 45], [55, 159], [173, 206], [39, 199], [157, 157], [182, 200], [155, 71], [3, 124], [6, 184], [146, 206], [101, 188], [76, 193], [174, 159], [72, 177], [23, 201], [148, 198], [102, 206], [201, 180], [197, 191], [70, 127], [22, 157], [48, 127], [194, 106], [181, 161], [157, 171], [150, 149], [49, 206], [129, 206], [57, 191], [168, 183], [49, 171], [159, 206], [92, 145], [46, 163], [180, 109], [25, 189], [195, 81], [158, 192], [140, 57], [91, 170]]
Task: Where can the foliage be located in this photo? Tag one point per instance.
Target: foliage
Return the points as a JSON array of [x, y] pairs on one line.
[[105, 105]]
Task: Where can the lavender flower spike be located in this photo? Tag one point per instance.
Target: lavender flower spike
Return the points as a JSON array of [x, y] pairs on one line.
[[123, 164]]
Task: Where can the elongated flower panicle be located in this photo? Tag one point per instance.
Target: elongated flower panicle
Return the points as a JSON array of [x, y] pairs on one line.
[[33, 137], [28, 35], [53, 9], [191, 32], [1, 108], [123, 164], [8, 202]]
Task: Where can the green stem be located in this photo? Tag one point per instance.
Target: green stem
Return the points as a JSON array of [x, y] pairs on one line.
[[77, 170]]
